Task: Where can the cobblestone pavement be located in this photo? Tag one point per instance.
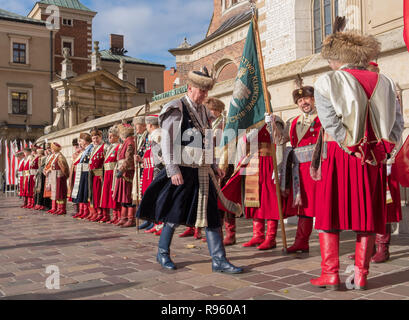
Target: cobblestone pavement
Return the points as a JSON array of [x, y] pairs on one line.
[[99, 261]]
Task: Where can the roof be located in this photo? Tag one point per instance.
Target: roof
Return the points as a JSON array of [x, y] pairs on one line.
[[7, 15], [227, 25], [107, 55], [71, 4]]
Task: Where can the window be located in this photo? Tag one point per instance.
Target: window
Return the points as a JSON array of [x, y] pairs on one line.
[[19, 102], [67, 22], [227, 4], [324, 13], [67, 45], [140, 84], [67, 42], [19, 53]]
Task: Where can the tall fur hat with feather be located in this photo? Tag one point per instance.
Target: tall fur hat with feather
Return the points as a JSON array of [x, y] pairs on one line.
[[302, 91], [350, 47], [201, 79]]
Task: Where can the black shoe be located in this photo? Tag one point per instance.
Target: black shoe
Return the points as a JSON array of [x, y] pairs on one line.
[[146, 225], [222, 265], [164, 260]]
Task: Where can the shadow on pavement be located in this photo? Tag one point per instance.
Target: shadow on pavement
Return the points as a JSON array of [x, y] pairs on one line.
[[59, 242]]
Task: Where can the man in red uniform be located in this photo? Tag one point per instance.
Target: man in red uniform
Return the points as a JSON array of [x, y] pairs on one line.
[[123, 176], [96, 165], [361, 129], [301, 191], [107, 201], [260, 197], [21, 158], [33, 168], [59, 173]]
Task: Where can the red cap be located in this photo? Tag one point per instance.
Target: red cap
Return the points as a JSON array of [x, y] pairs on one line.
[[373, 64]]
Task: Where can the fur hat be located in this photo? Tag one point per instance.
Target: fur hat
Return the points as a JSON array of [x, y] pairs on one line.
[[40, 151], [152, 119], [350, 47], [302, 91], [125, 130], [138, 120], [200, 79], [55, 147], [114, 130], [75, 142], [214, 104], [95, 132], [86, 137]]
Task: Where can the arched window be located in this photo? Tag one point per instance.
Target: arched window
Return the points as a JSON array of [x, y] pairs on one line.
[[324, 13]]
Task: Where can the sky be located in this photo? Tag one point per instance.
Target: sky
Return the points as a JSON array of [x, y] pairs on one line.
[[150, 27]]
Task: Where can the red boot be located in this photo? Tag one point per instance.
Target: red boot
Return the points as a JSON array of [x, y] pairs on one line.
[[105, 216], [115, 215], [382, 242], [329, 245], [123, 218], [86, 212], [190, 231], [363, 252], [93, 214], [53, 207], [131, 218], [270, 242], [258, 233], [153, 229], [62, 210], [80, 211], [30, 203], [198, 233], [100, 215], [159, 227], [230, 225], [25, 202], [302, 236]]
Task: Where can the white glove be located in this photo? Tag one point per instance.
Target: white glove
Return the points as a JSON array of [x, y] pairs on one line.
[[388, 169], [268, 118]]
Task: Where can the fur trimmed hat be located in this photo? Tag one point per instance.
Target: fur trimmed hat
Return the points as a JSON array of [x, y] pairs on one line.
[[75, 142], [125, 130], [200, 79], [214, 104], [350, 47], [302, 91], [152, 119], [40, 151], [138, 120], [86, 137], [95, 132], [114, 130], [55, 147]]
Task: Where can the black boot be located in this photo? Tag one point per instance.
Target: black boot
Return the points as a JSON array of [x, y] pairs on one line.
[[146, 225], [217, 252], [165, 240]]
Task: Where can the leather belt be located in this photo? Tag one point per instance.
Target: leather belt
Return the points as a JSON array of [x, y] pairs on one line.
[[33, 172], [83, 167], [26, 173], [109, 166], [97, 172]]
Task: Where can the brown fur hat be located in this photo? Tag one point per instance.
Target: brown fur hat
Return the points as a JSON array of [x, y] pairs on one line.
[[114, 130], [125, 130], [55, 147], [75, 142], [95, 132], [302, 91], [86, 137], [214, 104], [351, 48], [200, 79]]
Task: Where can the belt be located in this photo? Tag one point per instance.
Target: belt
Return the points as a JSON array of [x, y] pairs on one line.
[[109, 166], [97, 172], [83, 167], [33, 172], [264, 149], [26, 173]]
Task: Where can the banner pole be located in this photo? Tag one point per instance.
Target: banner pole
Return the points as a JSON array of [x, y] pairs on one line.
[[269, 111]]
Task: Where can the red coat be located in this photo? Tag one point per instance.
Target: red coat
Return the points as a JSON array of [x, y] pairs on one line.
[[27, 177], [352, 193], [96, 164], [76, 159], [268, 208], [308, 187], [123, 186], [21, 177], [148, 168], [107, 201]]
